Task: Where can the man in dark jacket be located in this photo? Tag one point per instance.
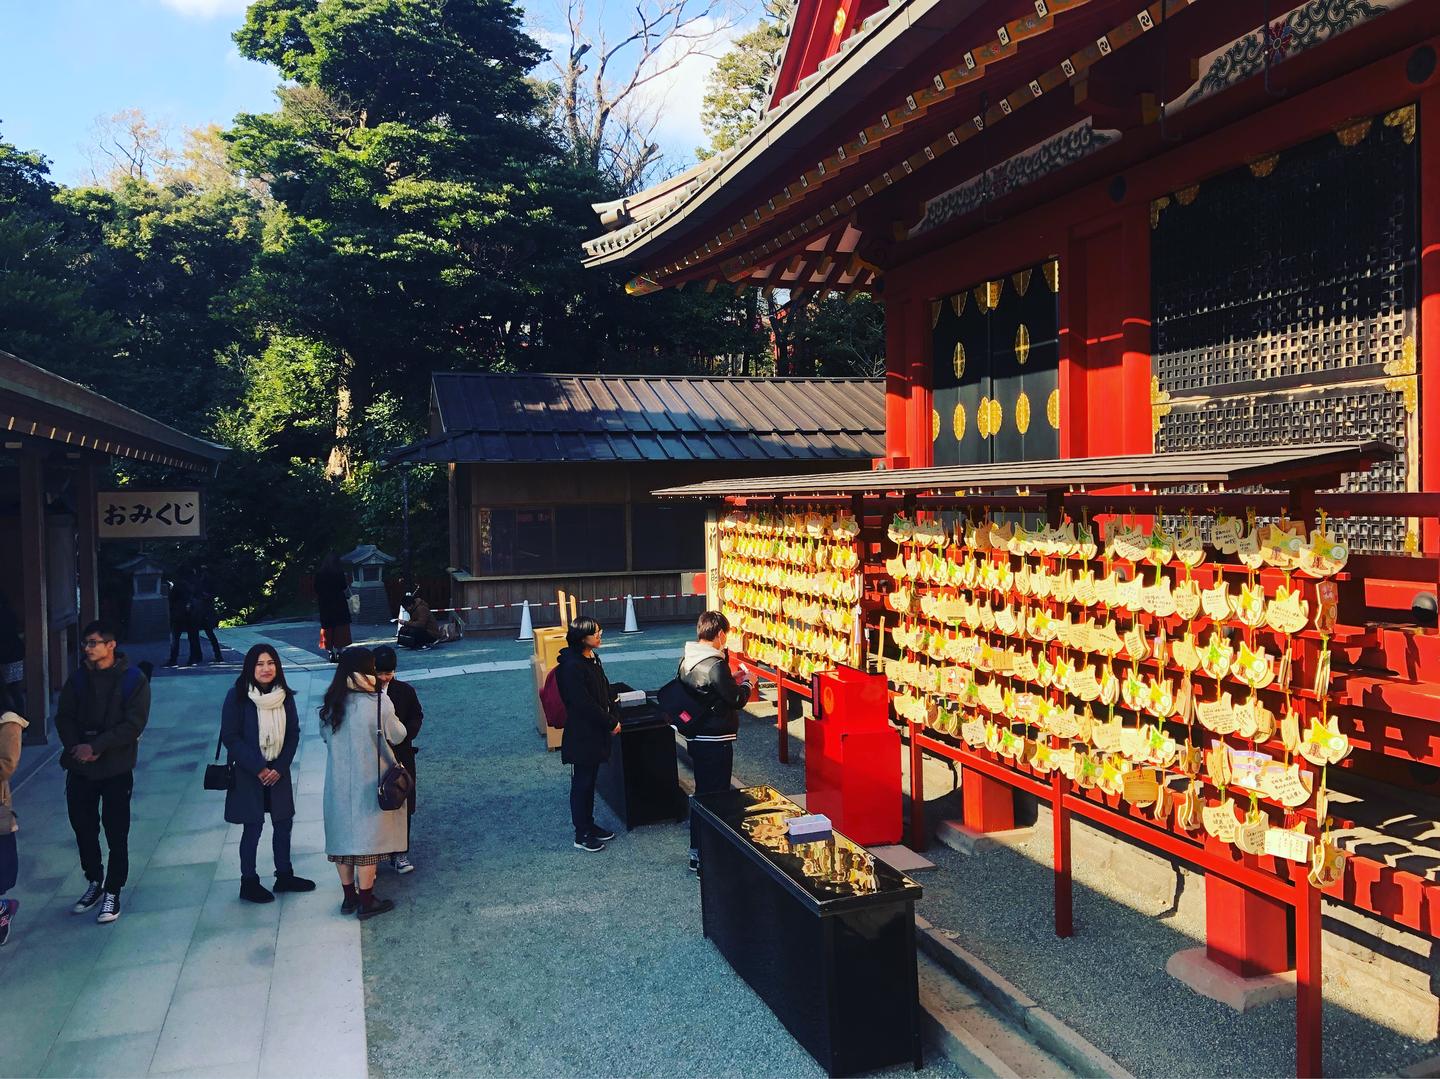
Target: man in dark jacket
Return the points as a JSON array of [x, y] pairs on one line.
[[183, 620], [103, 710], [591, 720], [705, 671], [407, 709]]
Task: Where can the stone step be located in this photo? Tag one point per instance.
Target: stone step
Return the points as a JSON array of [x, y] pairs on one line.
[[973, 1035]]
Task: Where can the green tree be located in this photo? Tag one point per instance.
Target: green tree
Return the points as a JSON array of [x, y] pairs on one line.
[[48, 311], [737, 90]]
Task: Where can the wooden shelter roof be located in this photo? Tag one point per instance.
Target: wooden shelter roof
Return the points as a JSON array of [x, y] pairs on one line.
[[36, 403], [572, 418]]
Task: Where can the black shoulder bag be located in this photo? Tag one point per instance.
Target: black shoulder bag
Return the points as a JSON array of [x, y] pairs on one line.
[[219, 777], [395, 783]]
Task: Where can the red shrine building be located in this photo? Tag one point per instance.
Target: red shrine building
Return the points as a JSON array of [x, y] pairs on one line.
[[1106, 227]]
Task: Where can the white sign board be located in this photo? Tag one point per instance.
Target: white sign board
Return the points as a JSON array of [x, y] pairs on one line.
[[130, 515]]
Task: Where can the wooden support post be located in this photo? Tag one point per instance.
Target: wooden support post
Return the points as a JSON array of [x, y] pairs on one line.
[[34, 592], [1309, 1062], [989, 804], [1429, 302], [782, 702], [919, 840], [87, 531], [1245, 932], [1060, 821]]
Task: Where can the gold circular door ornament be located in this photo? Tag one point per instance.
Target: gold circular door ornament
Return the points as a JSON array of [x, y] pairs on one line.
[[1022, 412], [997, 416], [982, 417], [958, 422], [1022, 345], [958, 359], [934, 424], [1052, 408]]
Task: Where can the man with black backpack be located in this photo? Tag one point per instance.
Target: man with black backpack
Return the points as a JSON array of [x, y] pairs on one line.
[[103, 709], [705, 672]]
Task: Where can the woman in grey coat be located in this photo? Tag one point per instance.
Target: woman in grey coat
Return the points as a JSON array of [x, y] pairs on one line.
[[358, 833]]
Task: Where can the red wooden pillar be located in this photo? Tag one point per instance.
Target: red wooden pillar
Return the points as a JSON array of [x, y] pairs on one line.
[[1309, 1060], [1060, 821], [919, 839], [1429, 345], [897, 381], [918, 352], [1245, 932], [1136, 417]]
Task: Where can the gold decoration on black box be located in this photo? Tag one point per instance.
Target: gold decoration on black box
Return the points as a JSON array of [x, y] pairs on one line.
[[1353, 133], [957, 303], [988, 295], [934, 424], [958, 422], [1186, 195], [1157, 207], [1051, 272], [934, 313], [1262, 167], [1022, 412], [1052, 408], [1021, 281], [1160, 406], [1022, 344], [997, 416], [1402, 371], [958, 359], [982, 417], [1404, 119]]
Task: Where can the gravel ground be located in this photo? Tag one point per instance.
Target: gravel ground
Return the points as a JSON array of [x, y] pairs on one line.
[[511, 953]]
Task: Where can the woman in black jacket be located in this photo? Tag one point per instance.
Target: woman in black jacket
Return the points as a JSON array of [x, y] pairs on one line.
[[260, 728], [591, 718]]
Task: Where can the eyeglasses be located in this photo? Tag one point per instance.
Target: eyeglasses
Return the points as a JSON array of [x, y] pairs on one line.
[[93, 642]]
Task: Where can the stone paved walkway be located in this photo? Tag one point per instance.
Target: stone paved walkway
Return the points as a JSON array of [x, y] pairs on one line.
[[190, 980]]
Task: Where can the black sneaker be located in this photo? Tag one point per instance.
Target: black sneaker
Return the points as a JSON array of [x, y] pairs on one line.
[[350, 904], [8, 910], [109, 908], [93, 892], [695, 863], [602, 835], [590, 845]]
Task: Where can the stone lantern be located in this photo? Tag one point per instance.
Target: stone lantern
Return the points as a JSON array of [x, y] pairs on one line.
[[366, 565], [149, 606]]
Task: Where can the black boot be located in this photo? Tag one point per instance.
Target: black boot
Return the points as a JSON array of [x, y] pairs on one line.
[[289, 882], [252, 891]]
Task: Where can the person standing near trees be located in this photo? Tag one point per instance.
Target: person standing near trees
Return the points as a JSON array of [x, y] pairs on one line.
[[260, 729], [407, 707], [204, 606], [359, 835], [182, 620], [103, 710], [591, 719], [332, 597]]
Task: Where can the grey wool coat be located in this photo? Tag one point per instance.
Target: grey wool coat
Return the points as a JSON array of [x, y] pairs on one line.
[[354, 821]]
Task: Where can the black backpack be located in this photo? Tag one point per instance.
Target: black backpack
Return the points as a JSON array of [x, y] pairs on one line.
[[686, 710]]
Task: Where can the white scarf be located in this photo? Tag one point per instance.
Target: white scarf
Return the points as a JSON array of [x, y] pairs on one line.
[[270, 708]]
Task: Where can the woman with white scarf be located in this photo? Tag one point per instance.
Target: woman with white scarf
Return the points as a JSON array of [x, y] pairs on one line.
[[260, 729], [359, 835]]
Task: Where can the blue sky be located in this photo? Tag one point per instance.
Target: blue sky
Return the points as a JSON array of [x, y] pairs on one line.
[[64, 63]]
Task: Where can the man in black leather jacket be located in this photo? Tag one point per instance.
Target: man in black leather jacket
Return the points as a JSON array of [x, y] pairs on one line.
[[705, 670]]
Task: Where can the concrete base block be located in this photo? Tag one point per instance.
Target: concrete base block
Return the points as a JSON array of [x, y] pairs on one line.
[[966, 840], [1193, 967], [902, 858]]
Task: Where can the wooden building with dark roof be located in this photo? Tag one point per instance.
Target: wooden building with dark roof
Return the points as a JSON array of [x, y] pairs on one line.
[[551, 474]]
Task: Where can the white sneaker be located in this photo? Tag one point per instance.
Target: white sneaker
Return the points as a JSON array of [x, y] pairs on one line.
[[401, 863], [109, 908]]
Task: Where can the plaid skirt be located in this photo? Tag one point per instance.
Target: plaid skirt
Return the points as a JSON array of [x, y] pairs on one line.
[[357, 859]]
